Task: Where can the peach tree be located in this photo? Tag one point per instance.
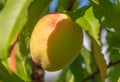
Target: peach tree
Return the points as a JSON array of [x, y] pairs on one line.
[[79, 37]]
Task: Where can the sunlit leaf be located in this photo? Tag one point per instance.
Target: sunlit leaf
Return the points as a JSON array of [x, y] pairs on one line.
[[90, 23], [12, 20], [99, 59]]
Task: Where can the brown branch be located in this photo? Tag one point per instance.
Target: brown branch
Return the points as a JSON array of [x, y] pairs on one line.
[[91, 76], [70, 5], [95, 73], [37, 73]]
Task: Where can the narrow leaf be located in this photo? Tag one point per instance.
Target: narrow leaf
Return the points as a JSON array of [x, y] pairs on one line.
[[12, 19], [90, 23], [99, 59]]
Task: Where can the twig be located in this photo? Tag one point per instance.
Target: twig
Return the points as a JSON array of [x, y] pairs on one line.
[[70, 5], [114, 63], [91, 76], [95, 73]]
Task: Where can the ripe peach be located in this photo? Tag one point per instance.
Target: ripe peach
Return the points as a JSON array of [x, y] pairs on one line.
[[56, 41]]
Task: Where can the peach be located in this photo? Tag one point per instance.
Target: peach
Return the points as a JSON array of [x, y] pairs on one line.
[[55, 41]]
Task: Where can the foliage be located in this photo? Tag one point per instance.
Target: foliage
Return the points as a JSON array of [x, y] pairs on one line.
[[18, 18]]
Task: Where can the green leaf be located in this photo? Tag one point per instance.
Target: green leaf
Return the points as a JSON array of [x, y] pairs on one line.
[[22, 63], [75, 5], [77, 70], [62, 5], [115, 54], [113, 40], [111, 12], [77, 13], [1, 6], [118, 80], [2, 3], [37, 9], [114, 73], [99, 59], [5, 76], [114, 47], [87, 58], [65, 76], [12, 20], [75, 73], [90, 24]]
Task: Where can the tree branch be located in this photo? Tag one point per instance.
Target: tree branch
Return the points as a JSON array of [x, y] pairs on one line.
[[70, 5], [95, 73]]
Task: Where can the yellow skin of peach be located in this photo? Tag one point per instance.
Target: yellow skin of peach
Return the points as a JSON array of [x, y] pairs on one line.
[[55, 42]]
